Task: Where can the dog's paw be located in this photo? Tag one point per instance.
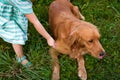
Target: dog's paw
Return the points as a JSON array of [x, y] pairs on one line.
[[55, 77], [82, 75]]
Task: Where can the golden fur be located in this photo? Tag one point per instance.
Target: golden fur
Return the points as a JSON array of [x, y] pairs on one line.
[[73, 36]]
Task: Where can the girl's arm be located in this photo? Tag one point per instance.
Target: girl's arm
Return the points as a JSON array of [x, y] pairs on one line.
[[38, 26]]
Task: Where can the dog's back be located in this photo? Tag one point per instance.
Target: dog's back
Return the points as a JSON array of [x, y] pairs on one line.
[[61, 13], [57, 7]]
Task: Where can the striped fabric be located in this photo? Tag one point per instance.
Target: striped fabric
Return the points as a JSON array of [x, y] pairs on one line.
[[13, 23]]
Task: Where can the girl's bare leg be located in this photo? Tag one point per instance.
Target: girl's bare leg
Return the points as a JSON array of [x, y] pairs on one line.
[[19, 52]]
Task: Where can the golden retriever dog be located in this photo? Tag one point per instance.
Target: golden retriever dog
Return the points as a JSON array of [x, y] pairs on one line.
[[74, 36]]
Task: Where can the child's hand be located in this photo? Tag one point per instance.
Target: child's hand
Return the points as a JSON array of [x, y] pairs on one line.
[[51, 42]]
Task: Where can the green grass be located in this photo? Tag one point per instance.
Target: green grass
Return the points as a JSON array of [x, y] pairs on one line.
[[103, 13]]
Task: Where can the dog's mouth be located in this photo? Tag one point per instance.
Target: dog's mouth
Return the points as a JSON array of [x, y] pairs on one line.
[[102, 55]]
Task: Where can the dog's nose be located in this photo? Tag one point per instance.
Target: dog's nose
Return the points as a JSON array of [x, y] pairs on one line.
[[102, 54]]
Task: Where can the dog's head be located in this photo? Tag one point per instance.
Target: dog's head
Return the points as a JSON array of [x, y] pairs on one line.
[[85, 39]]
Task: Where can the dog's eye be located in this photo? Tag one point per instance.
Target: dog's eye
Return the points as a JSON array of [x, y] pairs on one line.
[[90, 41]]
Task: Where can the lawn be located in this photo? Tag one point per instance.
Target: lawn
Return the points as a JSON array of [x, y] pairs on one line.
[[105, 14]]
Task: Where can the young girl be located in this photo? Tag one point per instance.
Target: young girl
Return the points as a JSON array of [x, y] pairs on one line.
[[14, 24]]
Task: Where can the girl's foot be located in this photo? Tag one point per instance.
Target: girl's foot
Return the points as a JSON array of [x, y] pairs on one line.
[[24, 62]]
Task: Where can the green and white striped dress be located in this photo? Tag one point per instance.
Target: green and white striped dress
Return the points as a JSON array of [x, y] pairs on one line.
[[13, 23]]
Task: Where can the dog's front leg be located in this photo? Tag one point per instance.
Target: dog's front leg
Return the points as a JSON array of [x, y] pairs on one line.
[[55, 64], [81, 68]]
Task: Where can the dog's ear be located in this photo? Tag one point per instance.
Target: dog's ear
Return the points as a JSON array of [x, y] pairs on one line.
[[75, 41], [72, 38], [73, 44]]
